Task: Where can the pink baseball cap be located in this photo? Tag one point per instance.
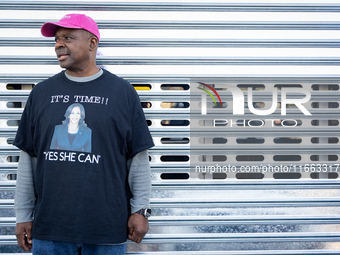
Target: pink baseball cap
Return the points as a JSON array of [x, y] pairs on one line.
[[80, 21]]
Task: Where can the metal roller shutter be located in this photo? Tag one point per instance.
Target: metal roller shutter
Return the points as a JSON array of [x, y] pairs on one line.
[[164, 49]]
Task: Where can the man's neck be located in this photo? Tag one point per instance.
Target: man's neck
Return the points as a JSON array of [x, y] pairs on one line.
[[83, 73], [85, 79]]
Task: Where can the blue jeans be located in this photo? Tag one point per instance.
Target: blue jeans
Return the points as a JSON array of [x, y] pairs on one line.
[[42, 247]]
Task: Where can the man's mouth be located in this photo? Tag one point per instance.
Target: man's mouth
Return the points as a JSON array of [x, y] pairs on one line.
[[62, 57]]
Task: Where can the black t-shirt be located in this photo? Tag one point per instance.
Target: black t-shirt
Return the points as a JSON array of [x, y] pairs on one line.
[[81, 187]]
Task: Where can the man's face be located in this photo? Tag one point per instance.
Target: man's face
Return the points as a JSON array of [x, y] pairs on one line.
[[72, 48]]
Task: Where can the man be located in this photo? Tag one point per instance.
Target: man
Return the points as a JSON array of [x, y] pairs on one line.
[[77, 201]]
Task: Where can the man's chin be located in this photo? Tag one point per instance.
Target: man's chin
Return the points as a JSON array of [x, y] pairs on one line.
[[64, 65]]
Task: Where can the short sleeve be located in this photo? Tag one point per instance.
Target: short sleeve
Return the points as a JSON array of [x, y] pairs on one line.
[[141, 138], [24, 136]]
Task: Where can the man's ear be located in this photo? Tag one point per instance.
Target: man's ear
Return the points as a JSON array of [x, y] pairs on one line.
[[93, 43]]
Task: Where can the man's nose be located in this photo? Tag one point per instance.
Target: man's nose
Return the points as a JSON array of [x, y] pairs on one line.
[[59, 44]]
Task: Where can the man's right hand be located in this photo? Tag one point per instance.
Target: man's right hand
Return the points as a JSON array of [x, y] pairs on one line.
[[23, 233]]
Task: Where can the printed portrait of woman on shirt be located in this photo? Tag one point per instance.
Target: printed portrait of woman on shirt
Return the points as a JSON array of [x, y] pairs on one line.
[[73, 134]]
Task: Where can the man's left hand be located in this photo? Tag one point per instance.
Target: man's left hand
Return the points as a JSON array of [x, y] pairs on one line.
[[138, 226]]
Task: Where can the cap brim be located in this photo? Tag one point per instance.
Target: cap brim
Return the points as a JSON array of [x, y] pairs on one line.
[[49, 29]]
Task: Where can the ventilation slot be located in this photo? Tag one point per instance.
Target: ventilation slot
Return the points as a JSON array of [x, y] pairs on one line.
[[286, 175], [249, 176], [329, 87], [142, 86], [287, 158], [146, 104], [14, 86], [175, 158], [174, 176], [15, 105], [174, 140], [288, 140], [175, 87], [175, 105], [175, 122], [250, 140], [249, 158], [322, 175]]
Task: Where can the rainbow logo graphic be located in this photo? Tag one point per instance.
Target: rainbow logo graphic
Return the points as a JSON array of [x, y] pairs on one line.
[[209, 93]]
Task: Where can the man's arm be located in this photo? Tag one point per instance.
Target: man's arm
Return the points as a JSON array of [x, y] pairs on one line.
[[24, 200], [140, 186]]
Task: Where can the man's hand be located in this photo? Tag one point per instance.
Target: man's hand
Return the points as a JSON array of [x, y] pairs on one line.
[[23, 233], [138, 226]]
